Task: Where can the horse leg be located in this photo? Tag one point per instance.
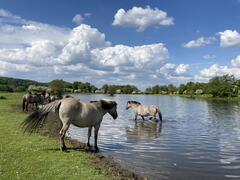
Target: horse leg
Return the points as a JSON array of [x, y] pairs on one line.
[[154, 117], [27, 106], [23, 105], [136, 117], [96, 128], [89, 135], [62, 135], [143, 118]]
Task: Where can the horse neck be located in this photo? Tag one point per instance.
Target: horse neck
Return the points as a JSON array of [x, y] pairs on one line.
[[135, 106], [98, 108]]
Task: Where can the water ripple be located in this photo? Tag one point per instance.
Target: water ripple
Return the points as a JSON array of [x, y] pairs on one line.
[[198, 140]]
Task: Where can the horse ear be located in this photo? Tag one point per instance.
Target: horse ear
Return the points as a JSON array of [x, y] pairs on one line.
[[107, 105]]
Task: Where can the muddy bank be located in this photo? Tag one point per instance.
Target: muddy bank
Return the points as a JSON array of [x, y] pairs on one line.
[[104, 163]]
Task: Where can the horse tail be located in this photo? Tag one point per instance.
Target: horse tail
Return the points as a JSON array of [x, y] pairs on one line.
[[37, 118], [159, 114], [23, 103]]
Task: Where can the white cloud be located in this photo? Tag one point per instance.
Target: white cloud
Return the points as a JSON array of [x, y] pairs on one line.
[[209, 56], [141, 18], [138, 56], [182, 69], [87, 14], [202, 41], [236, 62], [78, 19], [217, 70], [43, 52], [229, 38], [175, 73], [82, 40]]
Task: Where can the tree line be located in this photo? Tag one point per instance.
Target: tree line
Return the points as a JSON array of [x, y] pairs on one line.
[[220, 86]]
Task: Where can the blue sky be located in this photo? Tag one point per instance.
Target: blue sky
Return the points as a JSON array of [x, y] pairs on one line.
[[151, 42]]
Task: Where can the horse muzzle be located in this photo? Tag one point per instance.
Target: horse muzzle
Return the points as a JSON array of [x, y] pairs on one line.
[[115, 116]]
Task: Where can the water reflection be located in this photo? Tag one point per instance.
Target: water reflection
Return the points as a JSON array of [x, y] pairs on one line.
[[198, 139], [144, 129]]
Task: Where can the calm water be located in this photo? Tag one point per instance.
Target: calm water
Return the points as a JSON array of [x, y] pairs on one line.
[[199, 139]]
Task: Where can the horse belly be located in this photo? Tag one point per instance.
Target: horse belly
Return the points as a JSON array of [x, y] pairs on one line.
[[85, 121], [81, 122]]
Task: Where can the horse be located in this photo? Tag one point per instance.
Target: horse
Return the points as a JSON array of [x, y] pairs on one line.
[[72, 111], [144, 111], [30, 98], [54, 98]]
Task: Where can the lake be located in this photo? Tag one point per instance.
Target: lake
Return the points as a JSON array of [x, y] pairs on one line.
[[199, 139]]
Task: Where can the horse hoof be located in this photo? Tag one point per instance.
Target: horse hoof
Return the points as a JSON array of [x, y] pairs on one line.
[[96, 150], [63, 148]]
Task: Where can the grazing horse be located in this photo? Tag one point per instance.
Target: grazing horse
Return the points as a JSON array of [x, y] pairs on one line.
[[72, 111], [30, 98], [143, 111]]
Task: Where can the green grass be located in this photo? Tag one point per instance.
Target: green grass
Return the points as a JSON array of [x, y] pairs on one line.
[[24, 156]]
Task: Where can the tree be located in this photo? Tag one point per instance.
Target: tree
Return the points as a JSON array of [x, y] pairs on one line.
[[57, 87], [111, 90], [222, 86]]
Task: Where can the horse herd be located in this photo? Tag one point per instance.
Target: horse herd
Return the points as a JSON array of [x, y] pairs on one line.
[[72, 111]]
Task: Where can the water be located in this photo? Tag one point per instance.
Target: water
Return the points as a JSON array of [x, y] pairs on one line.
[[198, 139]]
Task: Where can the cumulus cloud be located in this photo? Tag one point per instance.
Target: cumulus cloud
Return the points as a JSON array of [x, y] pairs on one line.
[[141, 18], [217, 70], [174, 72], [78, 19], [229, 38], [39, 51], [139, 56], [82, 40], [182, 69], [236, 62], [202, 41]]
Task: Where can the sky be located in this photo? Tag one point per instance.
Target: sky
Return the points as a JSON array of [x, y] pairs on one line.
[[143, 43]]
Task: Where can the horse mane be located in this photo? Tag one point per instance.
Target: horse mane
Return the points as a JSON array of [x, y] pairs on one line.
[[93, 101], [134, 102]]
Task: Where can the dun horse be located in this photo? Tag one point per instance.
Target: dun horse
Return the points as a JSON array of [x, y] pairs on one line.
[[72, 111], [33, 99], [144, 111]]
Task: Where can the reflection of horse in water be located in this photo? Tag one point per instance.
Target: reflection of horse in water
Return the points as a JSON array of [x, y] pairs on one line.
[[146, 129]]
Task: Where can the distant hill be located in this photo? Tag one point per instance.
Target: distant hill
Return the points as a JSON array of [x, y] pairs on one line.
[[15, 84]]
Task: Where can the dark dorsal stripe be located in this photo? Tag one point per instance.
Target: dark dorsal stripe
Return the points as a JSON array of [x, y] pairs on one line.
[[133, 102]]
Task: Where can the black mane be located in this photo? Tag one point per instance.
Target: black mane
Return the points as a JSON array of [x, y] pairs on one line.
[[134, 102]]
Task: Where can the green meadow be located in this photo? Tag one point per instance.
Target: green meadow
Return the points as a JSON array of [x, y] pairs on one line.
[[24, 156]]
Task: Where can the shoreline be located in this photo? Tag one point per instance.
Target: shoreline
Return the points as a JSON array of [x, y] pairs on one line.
[[102, 162], [114, 170]]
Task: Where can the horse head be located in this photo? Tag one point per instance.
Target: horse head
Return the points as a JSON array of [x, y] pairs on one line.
[[110, 107], [130, 103]]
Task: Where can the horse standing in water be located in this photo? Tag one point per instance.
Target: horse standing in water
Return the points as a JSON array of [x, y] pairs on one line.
[[33, 99], [144, 111], [72, 111]]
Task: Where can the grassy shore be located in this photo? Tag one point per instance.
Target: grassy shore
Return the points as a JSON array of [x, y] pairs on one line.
[[24, 156]]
